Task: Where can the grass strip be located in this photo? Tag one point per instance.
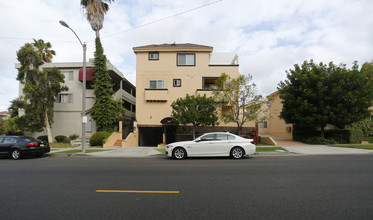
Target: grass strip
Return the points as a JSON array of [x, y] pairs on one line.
[[79, 151], [358, 146], [163, 151], [61, 145], [270, 149]]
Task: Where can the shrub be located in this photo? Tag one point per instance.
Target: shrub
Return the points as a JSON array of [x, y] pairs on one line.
[[369, 139], [98, 138], [43, 138], [345, 136], [73, 137], [366, 126], [320, 140], [62, 139]]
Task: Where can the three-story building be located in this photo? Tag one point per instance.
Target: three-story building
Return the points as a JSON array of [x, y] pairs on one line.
[[167, 72]]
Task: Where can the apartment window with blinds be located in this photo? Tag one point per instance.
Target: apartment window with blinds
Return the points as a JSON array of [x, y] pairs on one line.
[[156, 84], [65, 98], [69, 75], [186, 59]]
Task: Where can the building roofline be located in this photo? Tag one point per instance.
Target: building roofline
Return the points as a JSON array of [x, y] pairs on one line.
[[187, 47]]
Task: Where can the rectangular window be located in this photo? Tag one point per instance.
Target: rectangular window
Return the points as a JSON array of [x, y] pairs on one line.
[[65, 98], [69, 75], [208, 82], [156, 84], [153, 56], [263, 124], [177, 83], [186, 59]]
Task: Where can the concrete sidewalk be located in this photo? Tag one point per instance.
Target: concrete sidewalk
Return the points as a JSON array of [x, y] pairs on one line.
[[152, 151], [324, 150]]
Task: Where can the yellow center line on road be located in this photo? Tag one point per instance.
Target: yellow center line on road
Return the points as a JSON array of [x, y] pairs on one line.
[[136, 191]]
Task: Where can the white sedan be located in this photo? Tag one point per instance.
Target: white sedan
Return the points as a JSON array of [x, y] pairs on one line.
[[212, 144]]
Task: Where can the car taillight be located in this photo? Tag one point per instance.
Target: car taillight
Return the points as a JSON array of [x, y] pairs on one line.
[[47, 144], [32, 144], [252, 142]]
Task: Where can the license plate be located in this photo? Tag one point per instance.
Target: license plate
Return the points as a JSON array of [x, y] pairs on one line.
[[41, 145]]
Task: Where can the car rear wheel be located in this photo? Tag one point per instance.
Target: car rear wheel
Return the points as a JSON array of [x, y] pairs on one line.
[[179, 153], [237, 153], [16, 154]]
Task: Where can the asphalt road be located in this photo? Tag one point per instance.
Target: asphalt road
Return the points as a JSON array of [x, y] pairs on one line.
[[292, 187]]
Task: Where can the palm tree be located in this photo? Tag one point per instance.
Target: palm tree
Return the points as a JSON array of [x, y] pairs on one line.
[[95, 11], [43, 50]]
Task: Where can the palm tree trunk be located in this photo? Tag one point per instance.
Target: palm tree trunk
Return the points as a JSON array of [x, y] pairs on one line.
[[48, 127], [97, 33]]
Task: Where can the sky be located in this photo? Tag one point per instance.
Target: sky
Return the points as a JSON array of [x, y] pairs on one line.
[[270, 36]]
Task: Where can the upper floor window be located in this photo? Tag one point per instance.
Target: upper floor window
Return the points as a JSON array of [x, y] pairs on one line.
[[65, 98], [69, 75], [153, 56], [156, 84], [186, 59]]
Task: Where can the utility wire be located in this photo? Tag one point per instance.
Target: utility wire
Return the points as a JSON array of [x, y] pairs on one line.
[[136, 27], [162, 19]]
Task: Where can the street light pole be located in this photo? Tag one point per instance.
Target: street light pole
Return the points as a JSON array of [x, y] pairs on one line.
[[84, 117]]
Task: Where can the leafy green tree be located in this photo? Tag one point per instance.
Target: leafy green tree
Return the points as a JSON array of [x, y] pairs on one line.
[[43, 50], [105, 110], [95, 12], [318, 95], [367, 69], [2, 126], [239, 100], [16, 104], [41, 86], [195, 110]]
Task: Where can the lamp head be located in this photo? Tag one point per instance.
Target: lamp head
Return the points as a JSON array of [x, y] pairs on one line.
[[64, 24]]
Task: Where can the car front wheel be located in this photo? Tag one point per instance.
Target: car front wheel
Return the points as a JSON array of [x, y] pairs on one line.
[[16, 154], [179, 153], [237, 153]]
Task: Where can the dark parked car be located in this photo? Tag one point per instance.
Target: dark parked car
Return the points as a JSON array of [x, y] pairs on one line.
[[19, 146]]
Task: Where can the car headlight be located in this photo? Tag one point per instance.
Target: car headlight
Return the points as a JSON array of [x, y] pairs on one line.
[[168, 146]]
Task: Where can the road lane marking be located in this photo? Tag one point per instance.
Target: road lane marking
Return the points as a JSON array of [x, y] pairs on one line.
[[136, 191]]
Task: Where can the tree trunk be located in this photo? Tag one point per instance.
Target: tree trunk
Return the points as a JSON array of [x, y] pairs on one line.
[[239, 128], [194, 132], [48, 127], [322, 131], [97, 33]]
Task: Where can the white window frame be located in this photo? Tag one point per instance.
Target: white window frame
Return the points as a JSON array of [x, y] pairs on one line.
[[153, 55], [159, 84], [65, 98], [69, 75]]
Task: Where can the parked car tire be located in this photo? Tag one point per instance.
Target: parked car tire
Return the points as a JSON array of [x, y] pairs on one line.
[[237, 153], [16, 154], [179, 153]]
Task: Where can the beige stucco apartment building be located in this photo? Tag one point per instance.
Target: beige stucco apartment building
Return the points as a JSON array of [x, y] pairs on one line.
[[274, 126], [169, 71]]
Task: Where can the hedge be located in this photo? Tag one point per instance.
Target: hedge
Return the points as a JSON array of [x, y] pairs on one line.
[[345, 136], [62, 139], [98, 138]]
